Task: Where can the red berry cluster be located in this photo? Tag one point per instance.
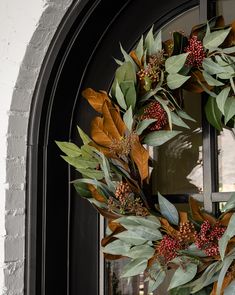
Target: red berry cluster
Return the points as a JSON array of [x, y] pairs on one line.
[[207, 238], [197, 53], [155, 111], [168, 248]]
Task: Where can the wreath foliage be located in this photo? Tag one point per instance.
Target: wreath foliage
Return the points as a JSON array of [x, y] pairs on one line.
[[145, 108]]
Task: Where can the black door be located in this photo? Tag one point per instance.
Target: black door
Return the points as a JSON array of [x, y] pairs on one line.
[[63, 230]]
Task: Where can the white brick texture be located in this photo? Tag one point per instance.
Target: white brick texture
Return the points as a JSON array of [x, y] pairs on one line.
[[26, 30]]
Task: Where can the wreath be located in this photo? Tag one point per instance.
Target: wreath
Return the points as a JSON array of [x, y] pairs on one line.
[[144, 107]]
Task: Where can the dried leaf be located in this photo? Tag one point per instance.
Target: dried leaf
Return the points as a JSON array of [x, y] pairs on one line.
[[227, 280], [225, 218], [230, 40], [198, 214], [140, 156], [95, 194], [117, 120], [98, 134], [135, 58], [183, 216], [95, 99], [168, 228], [192, 84], [106, 213]]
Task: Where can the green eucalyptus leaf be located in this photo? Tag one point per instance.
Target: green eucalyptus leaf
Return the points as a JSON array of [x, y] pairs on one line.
[[175, 63], [229, 50], [95, 174], [229, 109], [128, 58], [158, 138], [158, 42], [142, 125], [148, 221], [128, 118], [141, 251], [228, 234], [211, 67], [82, 190], [120, 97], [174, 81], [184, 115], [192, 250], [135, 267], [149, 42], [145, 232], [79, 162], [216, 38], [183, 276], [85, 138], [69, 148], [168, 210], [129, 92], [176, 120], [125, 72], [117, 247], [213, 114], [211, 80], [156, 282], [227, 262], [140, 48], [221, 98], [130, 237]]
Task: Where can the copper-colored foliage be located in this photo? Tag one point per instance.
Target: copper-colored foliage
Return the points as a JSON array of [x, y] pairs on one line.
[[198, 214], [168, 228], [140, 156], [183, 217], [95, 99], [135, 58], [227, 280], [224, 220], [230, 40], [106, 213], [95, 194], [192, 84]]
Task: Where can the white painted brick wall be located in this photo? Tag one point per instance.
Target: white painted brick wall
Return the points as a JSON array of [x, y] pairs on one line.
[[26, 30]]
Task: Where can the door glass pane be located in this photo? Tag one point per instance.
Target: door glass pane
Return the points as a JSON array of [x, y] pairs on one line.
[[226, 146], [180, 156]]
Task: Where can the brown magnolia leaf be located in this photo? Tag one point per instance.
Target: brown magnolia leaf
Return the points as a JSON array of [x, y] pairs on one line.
[[110, 238], [140, 156], [183, 216], [95, 99], [230, 40], [209, 217], [135, 58], [224, 220], [227, 280], [198, 214], [114, 225], [112, 257], [95, 194], [98, 134], [117, 119], [168, 228], [111, 127], [192, 84], [106, 213]]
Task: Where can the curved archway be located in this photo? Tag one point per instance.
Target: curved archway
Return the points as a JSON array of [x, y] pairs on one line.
[[63, 232]]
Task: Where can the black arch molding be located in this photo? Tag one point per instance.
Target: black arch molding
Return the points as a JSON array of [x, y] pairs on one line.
[[62, 230]]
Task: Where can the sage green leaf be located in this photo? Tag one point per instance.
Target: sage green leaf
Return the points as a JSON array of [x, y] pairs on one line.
[[130, 237], [175, 63], [229, 109], [230, 289], [211, 80], [213, 114], [128, 58], [207, 277], [129, 92], [181, 291], [227, 262], [135, 267], [91, 173], [192, 250], [168, 210], [158, 279], [214, 39], [142, 125], [183, 276], [117, 247], [211, 67], [85, 138], [119, 62], [221, 98], [229, 50], [98, 184], [184, 115], [141, 251], [174, 81], [158, 42], [148, 221], [69, 148], [79, 162], [107, 172], [126, 221], [82, 190], [128, 118], [126, 72], [176, 120], [145, 232], [230, 204], [228, 234], [160, 137], [140, 48], [149, 42], [120, 97]]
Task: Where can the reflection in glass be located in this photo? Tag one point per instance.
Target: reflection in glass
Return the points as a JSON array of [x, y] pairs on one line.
[[226, 146], [178, 163]]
